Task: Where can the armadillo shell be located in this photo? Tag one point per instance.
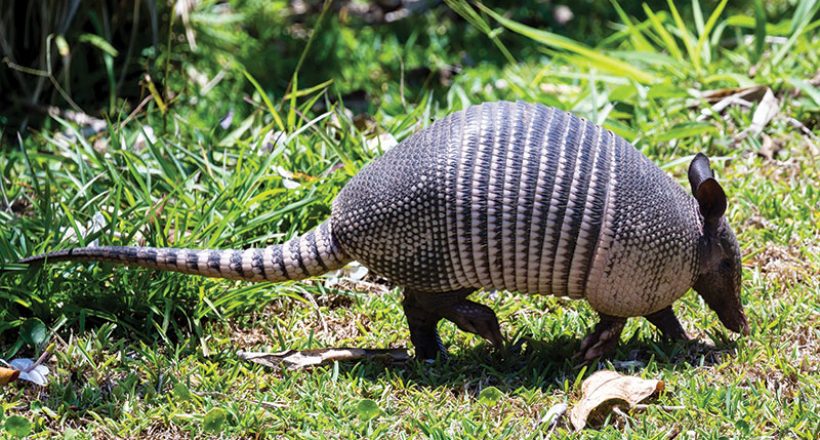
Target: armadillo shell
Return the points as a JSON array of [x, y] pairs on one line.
[[526, 198]]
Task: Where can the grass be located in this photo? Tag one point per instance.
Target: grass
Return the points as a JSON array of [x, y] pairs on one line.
[[140, 353]]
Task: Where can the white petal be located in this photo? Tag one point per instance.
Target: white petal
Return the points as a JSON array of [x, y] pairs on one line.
[[21, 363], [34, 377]]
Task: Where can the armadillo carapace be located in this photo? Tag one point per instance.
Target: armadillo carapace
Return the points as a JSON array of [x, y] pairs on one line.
[[511, 196]]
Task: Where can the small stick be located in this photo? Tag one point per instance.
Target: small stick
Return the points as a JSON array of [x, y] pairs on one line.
[[642, 406]]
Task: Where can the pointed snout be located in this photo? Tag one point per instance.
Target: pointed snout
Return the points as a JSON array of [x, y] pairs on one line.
[[734, 320]]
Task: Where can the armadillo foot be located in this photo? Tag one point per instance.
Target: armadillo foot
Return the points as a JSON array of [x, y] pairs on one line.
[[475, 318], [666, 321], [603, 340], [424, 310]]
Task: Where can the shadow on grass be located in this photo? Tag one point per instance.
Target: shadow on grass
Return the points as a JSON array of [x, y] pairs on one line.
[[541, 364]]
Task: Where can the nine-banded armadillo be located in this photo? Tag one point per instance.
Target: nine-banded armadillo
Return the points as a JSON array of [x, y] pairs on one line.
[[510, 196]]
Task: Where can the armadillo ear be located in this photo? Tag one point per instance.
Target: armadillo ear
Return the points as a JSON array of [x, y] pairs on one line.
[[711, 200], [710, 196], [699, 171]]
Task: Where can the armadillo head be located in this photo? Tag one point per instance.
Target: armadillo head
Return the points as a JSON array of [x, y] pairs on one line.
[[719, 274]]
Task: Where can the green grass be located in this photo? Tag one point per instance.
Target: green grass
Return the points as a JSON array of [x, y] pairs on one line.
[[140, 353]]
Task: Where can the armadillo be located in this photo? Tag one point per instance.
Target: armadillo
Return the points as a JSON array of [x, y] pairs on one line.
[[511, 196]]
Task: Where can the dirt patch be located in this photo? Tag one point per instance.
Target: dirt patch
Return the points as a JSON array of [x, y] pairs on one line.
[[787, 265]]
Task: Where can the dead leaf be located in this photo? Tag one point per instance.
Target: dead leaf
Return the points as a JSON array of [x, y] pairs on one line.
[[721, 99], [606, 390], [8, 375], [553, 416], [766, 110], [295, 359], [752, 93]]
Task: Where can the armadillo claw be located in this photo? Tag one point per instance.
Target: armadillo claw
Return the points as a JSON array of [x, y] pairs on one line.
[[478, 319]]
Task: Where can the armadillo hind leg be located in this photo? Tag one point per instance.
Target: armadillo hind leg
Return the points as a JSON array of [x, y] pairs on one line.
[[603, 339], [423, 327], [666, 321]]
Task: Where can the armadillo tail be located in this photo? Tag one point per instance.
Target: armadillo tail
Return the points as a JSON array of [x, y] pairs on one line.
[[311, 254]]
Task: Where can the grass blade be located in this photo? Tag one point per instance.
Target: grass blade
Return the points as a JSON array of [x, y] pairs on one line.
[[462, 8], [805, 11], [701, 47], [760, 30], [638, 41], [265, 99], [668, 41], [685, 35], [600, 61]]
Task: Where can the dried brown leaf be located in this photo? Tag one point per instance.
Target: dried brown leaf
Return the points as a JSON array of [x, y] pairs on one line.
[[752, 93], [8, 375], [606, 390], [295, 359]]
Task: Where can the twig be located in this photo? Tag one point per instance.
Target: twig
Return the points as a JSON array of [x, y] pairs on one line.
[[133, 114], [643, 406]]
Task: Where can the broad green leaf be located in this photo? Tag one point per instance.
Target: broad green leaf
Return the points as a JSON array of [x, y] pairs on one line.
[[214, 420], [367, 409], [181, 392], [490, 396], [807, 88], [760, 30], [33, 332], [745, 21], [18, 426], [308, 91]]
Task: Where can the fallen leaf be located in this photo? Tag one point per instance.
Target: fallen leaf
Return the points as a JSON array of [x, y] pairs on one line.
[[8, 375], [752, 93], [766, 110], [606, 390], [721, 99], [295, 359], [553, 415], [353, 271], [381, 143]]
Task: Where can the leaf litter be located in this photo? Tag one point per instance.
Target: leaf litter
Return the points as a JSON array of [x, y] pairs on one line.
[[607, 392], [300, 359]]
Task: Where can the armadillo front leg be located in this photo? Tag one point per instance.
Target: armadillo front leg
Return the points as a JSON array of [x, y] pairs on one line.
[[666, 321], [475, 318], [424, 310], [603, 338]]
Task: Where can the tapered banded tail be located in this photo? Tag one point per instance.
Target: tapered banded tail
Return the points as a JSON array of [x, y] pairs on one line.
[[311, 254]]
